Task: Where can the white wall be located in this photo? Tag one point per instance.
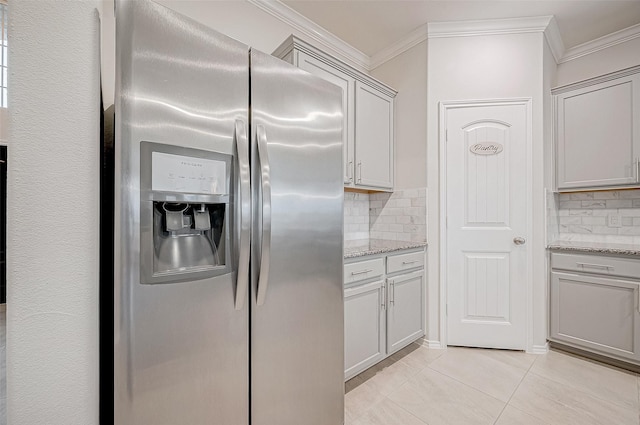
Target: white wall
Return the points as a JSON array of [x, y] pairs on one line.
[[607, 60], [52, 239], [4, 126], [485, 67], [407, 74]]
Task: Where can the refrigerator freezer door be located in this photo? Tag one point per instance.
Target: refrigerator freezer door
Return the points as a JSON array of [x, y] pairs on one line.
[[297, 338], [181, 349]]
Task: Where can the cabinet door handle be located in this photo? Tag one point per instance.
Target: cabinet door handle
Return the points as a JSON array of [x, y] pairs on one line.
[[361, 272], [350, 171], [638, 299], [637, 169], [382, 297], [359, 171], [594, 266], [392, 298]]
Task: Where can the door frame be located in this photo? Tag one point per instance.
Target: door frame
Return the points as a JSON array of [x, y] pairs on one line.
[[444, 108]]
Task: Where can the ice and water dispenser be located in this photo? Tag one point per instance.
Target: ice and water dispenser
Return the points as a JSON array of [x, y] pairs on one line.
[[185, 219]]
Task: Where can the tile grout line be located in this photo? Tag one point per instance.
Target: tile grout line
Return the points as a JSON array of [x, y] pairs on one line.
[[405, 410], [515, 390], [582, 390], [465, 384]]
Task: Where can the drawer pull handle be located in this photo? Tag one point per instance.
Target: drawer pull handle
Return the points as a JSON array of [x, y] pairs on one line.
[[361, 272], [595, 266], [409, 262]]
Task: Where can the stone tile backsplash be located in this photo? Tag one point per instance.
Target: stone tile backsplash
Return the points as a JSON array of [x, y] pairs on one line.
[[585, 216], [398, 216], [356, 216]]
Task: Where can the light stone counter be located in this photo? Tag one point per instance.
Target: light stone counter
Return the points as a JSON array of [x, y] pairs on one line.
[[378, 246], [596, 247]]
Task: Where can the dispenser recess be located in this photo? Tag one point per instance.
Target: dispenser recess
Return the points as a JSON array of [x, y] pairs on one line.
[[185, 218]]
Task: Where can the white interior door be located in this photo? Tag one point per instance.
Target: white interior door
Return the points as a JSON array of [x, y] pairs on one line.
[[486, 224]]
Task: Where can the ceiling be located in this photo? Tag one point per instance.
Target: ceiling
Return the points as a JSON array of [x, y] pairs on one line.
[[373, 25]]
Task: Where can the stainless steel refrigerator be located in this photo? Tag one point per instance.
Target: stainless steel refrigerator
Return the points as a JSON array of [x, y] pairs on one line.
[[227, 232]]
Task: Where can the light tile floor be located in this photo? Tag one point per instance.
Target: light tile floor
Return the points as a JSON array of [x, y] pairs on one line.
[[471, 386]]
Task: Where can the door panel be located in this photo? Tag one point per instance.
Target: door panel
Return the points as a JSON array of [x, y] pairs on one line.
[[596, 313], [181, 349], [486, 186], [486, 286], [364, 327], [346, 83], [405, 313], [297, 333], [598, 140], [487, 183], [374, 137]]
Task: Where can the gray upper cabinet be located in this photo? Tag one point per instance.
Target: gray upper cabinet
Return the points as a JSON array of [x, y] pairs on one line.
[[368, 115], [597, 132], [321, 69], [374, 137]]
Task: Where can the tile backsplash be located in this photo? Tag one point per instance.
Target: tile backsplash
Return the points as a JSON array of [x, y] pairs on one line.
[[356, 216], [592, 216], [401, 215]]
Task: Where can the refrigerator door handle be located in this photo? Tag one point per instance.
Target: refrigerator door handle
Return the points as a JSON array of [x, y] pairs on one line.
[[265, 250], [242, 146]]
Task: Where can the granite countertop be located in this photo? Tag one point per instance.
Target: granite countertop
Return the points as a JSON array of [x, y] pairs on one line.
[[378, 246], [596, 247]]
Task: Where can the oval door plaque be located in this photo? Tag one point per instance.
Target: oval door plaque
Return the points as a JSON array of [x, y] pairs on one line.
[[486, 148]]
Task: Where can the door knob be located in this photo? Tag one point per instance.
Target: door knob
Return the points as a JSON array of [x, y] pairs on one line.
[[519, 240]]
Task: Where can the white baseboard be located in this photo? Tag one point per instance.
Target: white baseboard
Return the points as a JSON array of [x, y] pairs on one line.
[[539, 349], [432, 344]]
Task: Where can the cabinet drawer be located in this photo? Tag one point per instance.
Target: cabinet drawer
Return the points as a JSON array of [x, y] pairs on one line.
[[362, 270], [397, 263], [596, 264]]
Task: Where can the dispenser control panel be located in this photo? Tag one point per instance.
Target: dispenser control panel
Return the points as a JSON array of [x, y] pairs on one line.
[[178, 173]]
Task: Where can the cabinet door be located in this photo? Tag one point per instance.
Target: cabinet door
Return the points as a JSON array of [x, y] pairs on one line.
[[405, 310], [598, 135], [328, 73], [374, 137], [364, 332], [597, 314]]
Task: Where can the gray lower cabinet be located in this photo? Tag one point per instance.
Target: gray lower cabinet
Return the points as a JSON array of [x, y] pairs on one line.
[[364, 326], [405, 314], [594, 309], [384, 307]]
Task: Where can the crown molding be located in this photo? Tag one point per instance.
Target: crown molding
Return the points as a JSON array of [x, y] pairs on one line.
[[414, 38], [601, 43], [315, 32], [554, 39], [488, 27], [354, 57]]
